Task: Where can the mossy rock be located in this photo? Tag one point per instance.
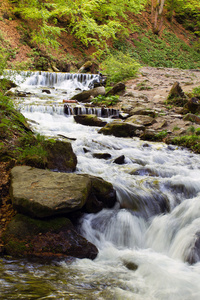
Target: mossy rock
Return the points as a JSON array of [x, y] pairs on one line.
[[55, 238], [121, 129], [89, 120], [176, 95], [60, 156]]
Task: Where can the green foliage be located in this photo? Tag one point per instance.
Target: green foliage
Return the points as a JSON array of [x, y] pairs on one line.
[[191, 129], [91, 21], [165, 51], [196, 92], [176, 128], [161, 135], [119, 67], [189, 141], [106, 101]]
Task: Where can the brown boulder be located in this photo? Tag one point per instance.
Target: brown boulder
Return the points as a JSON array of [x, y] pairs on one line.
[[54, 238], [117, 88], [89, 120], [85, 95]]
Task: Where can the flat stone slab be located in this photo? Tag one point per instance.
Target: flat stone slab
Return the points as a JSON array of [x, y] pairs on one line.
[[42, 193]]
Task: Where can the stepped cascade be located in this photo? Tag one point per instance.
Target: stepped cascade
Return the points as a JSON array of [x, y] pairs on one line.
[[148, 243]]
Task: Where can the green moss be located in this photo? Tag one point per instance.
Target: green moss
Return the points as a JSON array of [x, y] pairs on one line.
[[190, 141]]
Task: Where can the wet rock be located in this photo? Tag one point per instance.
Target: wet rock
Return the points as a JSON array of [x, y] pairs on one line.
[[117, 88], [55, 238], [60, 156], [42, 193], [130, 265], [103, 191], [86, 150], [46, 91], [194, 252], [121, 129], [120, 160], [146, 145], [85, 95], [102, 155], [89, 120]]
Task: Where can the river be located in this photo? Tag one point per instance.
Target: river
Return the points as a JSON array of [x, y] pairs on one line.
[[144, 247]]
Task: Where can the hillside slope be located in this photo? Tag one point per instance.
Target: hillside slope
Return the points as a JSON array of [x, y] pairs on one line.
[[174, 47]]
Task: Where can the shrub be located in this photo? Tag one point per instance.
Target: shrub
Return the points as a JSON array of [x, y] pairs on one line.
[[119, 67]]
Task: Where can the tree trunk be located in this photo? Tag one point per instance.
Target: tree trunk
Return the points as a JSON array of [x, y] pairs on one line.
[[157, 15]]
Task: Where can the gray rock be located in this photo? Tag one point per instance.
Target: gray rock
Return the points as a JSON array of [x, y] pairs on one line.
[[42, 193], [141, 120]]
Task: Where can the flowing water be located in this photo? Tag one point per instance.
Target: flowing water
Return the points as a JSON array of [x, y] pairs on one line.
[[144, 247]]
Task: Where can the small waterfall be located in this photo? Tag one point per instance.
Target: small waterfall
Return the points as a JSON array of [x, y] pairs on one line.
[[48, 109], [54, 79], [98, 111]]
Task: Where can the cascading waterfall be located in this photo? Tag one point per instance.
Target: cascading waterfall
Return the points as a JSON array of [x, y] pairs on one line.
[[149, 243], [53, 79]]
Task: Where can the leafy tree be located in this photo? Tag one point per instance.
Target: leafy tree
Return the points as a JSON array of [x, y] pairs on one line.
[[91, 21], [179, 7]]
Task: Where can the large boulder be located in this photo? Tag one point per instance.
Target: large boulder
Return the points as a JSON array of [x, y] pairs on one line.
[[89, 120], [57, 155], [53, 238], [121, 129], [42, 193], [85, 95]]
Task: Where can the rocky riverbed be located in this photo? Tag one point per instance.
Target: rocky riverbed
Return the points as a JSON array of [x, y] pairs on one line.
[[144, 104], [151, 90]]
